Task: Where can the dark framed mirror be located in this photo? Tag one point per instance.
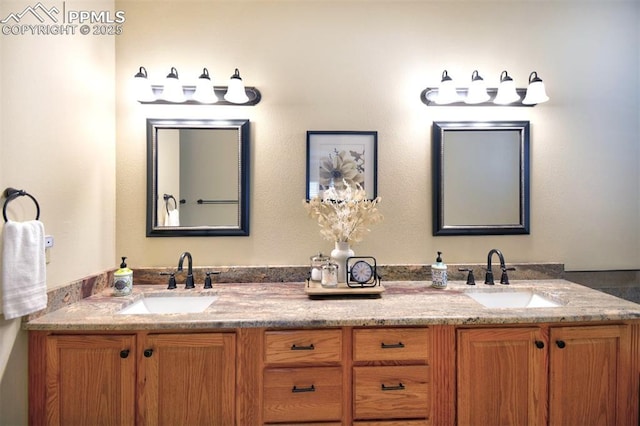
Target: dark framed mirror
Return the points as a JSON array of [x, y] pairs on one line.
[[197, 177], [480, 177]]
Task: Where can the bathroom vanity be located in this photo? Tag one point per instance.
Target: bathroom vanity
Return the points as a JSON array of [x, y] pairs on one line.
[[268, 354]]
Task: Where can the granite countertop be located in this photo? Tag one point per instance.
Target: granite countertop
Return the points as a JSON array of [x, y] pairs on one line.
[[286, 305]]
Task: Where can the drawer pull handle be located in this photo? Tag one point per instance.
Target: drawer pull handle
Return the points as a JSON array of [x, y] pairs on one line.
[[398, 345], [295, 347], [296, 389], [392, 388]]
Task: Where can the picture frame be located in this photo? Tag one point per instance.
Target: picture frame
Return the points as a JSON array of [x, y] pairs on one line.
[[336, 155]]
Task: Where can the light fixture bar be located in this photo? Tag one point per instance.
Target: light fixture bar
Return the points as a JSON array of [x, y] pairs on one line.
[[430, 94], [253, 94]]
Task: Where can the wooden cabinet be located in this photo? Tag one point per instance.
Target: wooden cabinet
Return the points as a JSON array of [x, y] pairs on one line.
[[391, 379], [542, 374], [362, 376], [589, 376], [146, 379], [502, 375], [187, 379], [89, 380], [302, 379]]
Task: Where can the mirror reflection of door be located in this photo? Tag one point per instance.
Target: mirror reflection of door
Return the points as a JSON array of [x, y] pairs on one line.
[[209, 173], [169, 175]]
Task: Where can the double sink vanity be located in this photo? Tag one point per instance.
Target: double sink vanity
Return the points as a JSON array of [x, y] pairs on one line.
[[533, 352]]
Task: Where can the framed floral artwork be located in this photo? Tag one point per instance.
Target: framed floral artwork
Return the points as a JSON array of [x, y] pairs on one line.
[[339, 158]]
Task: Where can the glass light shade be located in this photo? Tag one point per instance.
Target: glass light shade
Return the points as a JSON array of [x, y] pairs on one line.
[[536, 93], [507, 93], [142, 87], [204, 89], [477, 93], [447, 93], [172, 90], [235, 92]]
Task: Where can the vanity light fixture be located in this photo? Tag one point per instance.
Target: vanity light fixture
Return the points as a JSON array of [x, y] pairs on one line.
[[447, 93], [506, 94], [477, 92], [204, 92], [172, 90], [536, 92], [236, 93], [506, 90], [144, 92]]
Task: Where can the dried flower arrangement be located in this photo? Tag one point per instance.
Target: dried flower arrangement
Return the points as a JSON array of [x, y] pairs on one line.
[[343, 214]]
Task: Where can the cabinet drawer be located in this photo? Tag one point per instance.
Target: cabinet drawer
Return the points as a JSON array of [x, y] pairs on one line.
[[302, 394], [391, 392], [302, 346], [393, 423], [391, 344]]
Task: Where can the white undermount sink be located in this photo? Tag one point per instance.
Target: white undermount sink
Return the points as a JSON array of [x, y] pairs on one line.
[[170, 304], [512, 299]]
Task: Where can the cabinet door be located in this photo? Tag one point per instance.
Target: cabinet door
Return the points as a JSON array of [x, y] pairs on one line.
[[589, 369], [501, 376], [90, 380], [187, 379]]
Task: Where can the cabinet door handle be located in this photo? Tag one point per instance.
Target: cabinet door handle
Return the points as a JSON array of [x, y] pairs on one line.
[[392, 388], [147, 353], [295, 347], [539, 344], [124, 353], [561, 344], [398, 345], [296, 389]]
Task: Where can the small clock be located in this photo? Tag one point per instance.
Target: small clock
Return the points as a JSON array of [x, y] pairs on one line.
[[361, 271]]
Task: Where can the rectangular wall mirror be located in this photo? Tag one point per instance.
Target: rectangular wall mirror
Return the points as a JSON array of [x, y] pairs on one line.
[[197, 177], [480, 178]]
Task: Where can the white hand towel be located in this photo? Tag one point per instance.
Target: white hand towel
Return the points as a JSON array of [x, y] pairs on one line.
[[24, 280], [173, 218]]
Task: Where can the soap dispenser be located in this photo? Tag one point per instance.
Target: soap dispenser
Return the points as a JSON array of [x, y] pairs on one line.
[[123, 280], [439, 273]]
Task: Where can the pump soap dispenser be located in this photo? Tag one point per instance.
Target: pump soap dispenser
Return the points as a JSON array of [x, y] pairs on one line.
[[123, 280], [439, 273]]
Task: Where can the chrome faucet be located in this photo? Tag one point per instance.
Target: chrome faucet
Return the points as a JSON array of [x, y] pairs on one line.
[[504, 279], [189, 283]]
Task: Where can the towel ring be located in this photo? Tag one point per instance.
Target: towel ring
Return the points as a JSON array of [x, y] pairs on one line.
[[11, 194], [168, 197]]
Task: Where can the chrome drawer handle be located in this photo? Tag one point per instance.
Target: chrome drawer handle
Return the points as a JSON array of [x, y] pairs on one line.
[[398, 345], [392, 388], [294, 347], [296, 389]]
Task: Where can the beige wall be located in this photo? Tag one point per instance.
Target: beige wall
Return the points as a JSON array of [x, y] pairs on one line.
[[57, 141], [360, 65]]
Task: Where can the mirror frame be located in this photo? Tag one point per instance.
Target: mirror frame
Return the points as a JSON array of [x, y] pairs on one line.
[[439, 131], [153, 230]]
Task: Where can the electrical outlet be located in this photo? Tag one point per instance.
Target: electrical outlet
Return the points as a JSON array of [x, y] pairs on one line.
[[48, 241]]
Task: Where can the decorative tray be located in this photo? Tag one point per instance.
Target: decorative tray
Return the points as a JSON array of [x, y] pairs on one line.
[[315, 291]]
